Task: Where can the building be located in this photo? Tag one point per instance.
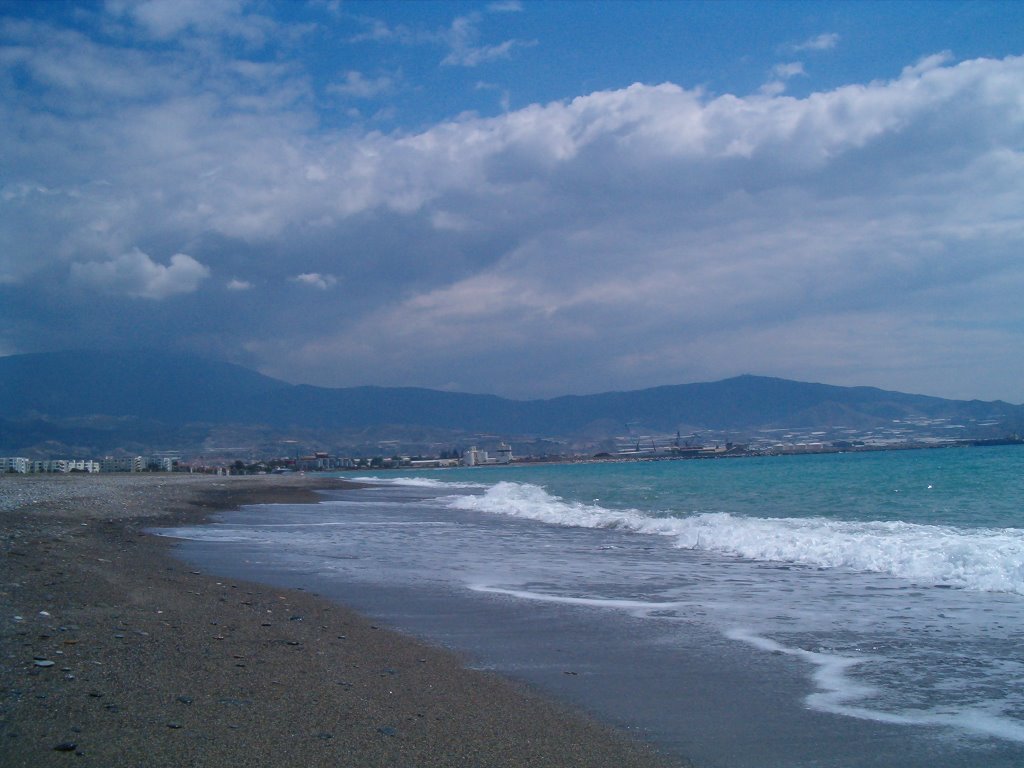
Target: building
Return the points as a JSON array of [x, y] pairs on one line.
[[474, 457], [504, 454], [117, 464], [16, 464]]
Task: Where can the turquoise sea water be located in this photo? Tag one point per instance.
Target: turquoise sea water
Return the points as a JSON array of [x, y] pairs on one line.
[[969, 487], [877, 594]]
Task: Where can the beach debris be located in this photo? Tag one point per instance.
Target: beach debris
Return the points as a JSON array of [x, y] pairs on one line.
[[45, 614], [65, 746]]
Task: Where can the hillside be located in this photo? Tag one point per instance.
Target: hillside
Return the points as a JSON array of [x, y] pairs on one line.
[[89, 402]]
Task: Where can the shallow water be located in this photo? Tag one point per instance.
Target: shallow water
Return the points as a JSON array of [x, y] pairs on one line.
[[827, 611]]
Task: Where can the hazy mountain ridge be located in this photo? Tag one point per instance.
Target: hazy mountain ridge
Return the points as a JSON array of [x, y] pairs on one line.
[[102, 401]]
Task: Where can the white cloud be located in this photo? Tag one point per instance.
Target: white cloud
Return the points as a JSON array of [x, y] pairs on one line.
[[823, 42], [464, 50], [238, 285], [136, 274], [629, 230], [788, 70], [357, 85], [165, 19], [316, 280]]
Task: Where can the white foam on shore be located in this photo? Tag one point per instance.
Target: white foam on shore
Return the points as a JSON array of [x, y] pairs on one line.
[[636, 607], [986, 560], [837, 692], [415, 482]]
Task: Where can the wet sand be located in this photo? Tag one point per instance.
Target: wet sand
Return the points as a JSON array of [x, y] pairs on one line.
[[116, 654]]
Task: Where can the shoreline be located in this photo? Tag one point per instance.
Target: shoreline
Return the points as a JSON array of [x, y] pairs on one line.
[[154, 663]]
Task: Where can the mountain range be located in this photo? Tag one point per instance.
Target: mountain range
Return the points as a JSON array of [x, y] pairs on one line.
[[87, 402]]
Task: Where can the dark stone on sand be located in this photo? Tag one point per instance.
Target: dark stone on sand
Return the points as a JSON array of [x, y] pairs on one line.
[[387, 730], [185, 699], [65, 746]]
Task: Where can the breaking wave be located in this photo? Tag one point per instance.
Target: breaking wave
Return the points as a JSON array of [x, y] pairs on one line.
[[986, 559]]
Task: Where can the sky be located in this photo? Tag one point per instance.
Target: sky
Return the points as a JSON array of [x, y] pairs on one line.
[[528, 199]]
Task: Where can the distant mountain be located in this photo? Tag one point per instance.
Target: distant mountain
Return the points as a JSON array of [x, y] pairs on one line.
[[92, 402]]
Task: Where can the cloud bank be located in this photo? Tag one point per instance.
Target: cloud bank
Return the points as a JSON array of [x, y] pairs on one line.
[[624, 238], [136, 274]]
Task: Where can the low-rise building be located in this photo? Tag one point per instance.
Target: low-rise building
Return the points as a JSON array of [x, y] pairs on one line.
[[17, 464]]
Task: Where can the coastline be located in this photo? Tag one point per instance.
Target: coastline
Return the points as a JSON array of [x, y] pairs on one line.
[[156, 664]]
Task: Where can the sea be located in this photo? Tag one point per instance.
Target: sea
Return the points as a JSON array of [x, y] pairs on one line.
[[834, 610]]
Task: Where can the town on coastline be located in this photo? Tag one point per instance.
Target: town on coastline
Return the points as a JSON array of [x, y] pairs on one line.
[[319, 461], [629, 448]]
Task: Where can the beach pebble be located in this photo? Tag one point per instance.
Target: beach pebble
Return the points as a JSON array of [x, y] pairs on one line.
[[185, 699], [387, 730], [66, 746], [43, 663], [175, 726]]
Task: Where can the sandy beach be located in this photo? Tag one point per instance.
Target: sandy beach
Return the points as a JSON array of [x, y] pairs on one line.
[[116, 654]]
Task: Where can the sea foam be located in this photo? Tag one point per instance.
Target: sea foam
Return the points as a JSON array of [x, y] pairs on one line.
[[986, 559]]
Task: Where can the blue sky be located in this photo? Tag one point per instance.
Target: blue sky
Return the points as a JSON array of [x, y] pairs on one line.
[[529, 199]]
